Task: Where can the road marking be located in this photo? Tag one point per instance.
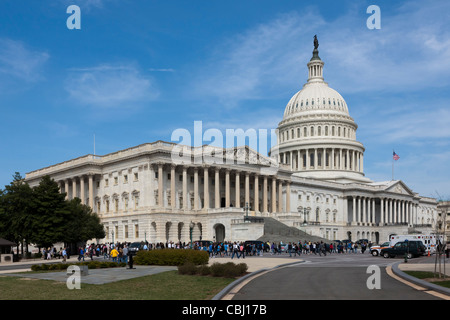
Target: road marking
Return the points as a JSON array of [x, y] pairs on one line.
[[391, 273], [236, 289], [433, 293]]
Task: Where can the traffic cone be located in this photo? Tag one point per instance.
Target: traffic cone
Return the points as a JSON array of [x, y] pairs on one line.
[[429, 252]]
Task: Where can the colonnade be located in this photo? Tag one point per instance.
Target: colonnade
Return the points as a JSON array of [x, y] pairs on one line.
[[383, 210], [324, 158], [71, 184], [267, 194]]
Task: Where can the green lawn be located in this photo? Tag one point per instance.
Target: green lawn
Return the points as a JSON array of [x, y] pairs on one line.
[[162, 286], [429, 276]]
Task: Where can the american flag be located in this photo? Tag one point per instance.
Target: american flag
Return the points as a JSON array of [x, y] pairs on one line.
[[396, 156]]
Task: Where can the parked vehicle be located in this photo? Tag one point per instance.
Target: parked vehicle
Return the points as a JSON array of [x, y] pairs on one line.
[[375, 250], [413, 248], [428, 240], [135, 246]]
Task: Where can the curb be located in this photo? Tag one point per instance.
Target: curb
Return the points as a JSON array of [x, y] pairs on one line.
[[396, 270], [235, 283]]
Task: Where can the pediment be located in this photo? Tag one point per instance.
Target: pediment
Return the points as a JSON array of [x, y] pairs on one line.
[[400, 188]]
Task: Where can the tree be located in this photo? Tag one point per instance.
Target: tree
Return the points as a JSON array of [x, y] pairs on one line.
[[50, 213], [83, 224], [16, 211]]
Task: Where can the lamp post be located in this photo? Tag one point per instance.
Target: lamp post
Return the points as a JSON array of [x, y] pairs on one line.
[[191, 228]]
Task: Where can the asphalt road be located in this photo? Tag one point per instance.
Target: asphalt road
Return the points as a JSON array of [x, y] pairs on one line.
[[331, 277]]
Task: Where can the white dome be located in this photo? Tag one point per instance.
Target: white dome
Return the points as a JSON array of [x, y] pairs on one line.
[[316, 97], [317, 136]]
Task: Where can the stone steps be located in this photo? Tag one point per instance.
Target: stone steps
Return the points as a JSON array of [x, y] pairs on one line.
[[276, 231]]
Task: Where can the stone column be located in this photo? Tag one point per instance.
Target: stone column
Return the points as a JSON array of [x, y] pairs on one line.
[[256, 198], [316, 162], [332, 161], [91, 191], [227, 188], [280, 196], [359, 209], [391, 212], [206, 188], [347, 160], [82, 192], [373, 220], [160, 185], [382, 211], [288, 196], [308, 160], [196, 189], [74, 188], [395, 211], [247, 188], [173, 192], [364, 210], [354, 209], [274, 194], [238, 191], [216, 188], [66, 188], [265, 198], [185, 193]]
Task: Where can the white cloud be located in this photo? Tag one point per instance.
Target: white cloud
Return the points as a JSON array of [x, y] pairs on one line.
[[20, 62], [110, 86], [410, 52], [260, 59]]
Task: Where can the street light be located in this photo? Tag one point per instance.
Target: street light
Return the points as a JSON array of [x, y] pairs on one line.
[[191, 228]]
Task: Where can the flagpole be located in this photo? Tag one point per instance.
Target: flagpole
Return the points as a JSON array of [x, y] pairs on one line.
[[393, 166]]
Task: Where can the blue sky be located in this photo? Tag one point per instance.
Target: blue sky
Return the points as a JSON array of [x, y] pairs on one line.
[[138, 70]]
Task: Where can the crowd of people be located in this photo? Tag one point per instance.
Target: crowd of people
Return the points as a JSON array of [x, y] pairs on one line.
[[118, 251]]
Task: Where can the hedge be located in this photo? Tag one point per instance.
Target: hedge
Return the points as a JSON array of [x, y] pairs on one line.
[[171, 257], [64, 266], [227, 270]]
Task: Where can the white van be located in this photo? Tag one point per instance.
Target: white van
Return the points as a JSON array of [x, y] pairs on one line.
[[429, 240]]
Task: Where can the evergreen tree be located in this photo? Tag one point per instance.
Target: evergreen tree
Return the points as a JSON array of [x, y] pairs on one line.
[[84, 224], [15, 211], [50, 212]]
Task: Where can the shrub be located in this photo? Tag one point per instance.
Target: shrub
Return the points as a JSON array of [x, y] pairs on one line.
[[171, 257], [187, 268], [228, 270], [204, 270]]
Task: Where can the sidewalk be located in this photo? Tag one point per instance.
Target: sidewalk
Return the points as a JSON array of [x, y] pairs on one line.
[[424, 267]]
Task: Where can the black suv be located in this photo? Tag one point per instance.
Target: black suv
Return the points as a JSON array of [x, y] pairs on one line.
[[411, 249]]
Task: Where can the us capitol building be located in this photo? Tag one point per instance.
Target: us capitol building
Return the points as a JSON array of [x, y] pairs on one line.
[[313, 180]]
